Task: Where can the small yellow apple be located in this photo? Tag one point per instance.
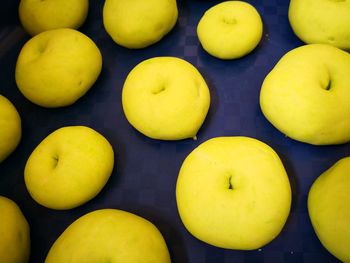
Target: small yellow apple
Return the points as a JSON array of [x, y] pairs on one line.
[[329, 209], [233, 192], [69, 167], [110, 235], [230, 30], [57, 67], [10, 128], [321, 21], [14, 233], [307, 95], [139, 23], [166, 98], [41, 15]]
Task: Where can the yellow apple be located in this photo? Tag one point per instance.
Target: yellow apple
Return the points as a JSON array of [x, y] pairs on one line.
[[321, 21], [57, 67], [166, 98], [230, 30], [10, 128], [233, 192], [14, 233], [139, 23], [110, 235], [69, 167], [41, 15], [329, 209], [307, 95]]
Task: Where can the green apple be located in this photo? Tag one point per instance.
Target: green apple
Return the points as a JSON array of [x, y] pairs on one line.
[[321, 21], [307, 95], [10, 128], [14, 233], [170, 104], [230, 30], [110, 235], [41, 15], [234, 193], [69, 167], [57, 67], [139, 23], [329, 209]]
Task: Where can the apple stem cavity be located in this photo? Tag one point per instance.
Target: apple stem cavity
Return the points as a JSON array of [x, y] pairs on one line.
[[230, 186], [55, 158], [329, 86], [158, 90]]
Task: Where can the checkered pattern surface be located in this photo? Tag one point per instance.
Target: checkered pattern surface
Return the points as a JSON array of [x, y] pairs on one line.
[[144, 178]]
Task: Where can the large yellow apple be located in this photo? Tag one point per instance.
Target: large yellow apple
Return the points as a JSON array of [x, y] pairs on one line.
[[139, 23], [166, 98], [233, 192], [110, 235], [10, 128], [14, 233], [307, 95], [41, 15], [329, 209], [57, 67], [321, 21], [230, 30], [69, 167]]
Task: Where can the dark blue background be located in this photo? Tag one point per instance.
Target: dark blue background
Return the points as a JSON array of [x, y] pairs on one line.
[[144, 178]]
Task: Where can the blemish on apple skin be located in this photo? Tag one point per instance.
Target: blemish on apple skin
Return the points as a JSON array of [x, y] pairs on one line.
[[229, 20], [20, 236], [41, 49]]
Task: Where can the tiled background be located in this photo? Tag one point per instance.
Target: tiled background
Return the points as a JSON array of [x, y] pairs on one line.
[[143, 181]]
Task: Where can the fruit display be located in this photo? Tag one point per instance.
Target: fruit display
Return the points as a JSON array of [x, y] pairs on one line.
[[329, 209], [233, 192], [110, 235], [69, 167], [39, 16], [14, 230], [321, 22], [57, 67], [230, 30], [10, 128], [313, 81], [169, 105], [138, 24]]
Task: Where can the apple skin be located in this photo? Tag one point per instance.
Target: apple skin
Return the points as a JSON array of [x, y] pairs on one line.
[[321, 21], [57, 67], [69, 167], [234, 193], [139, 23], [230, 30], [10, 128], [329, 209], [169, 105], [307, 96], [110, 235], [14, 233], [38, 16]]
